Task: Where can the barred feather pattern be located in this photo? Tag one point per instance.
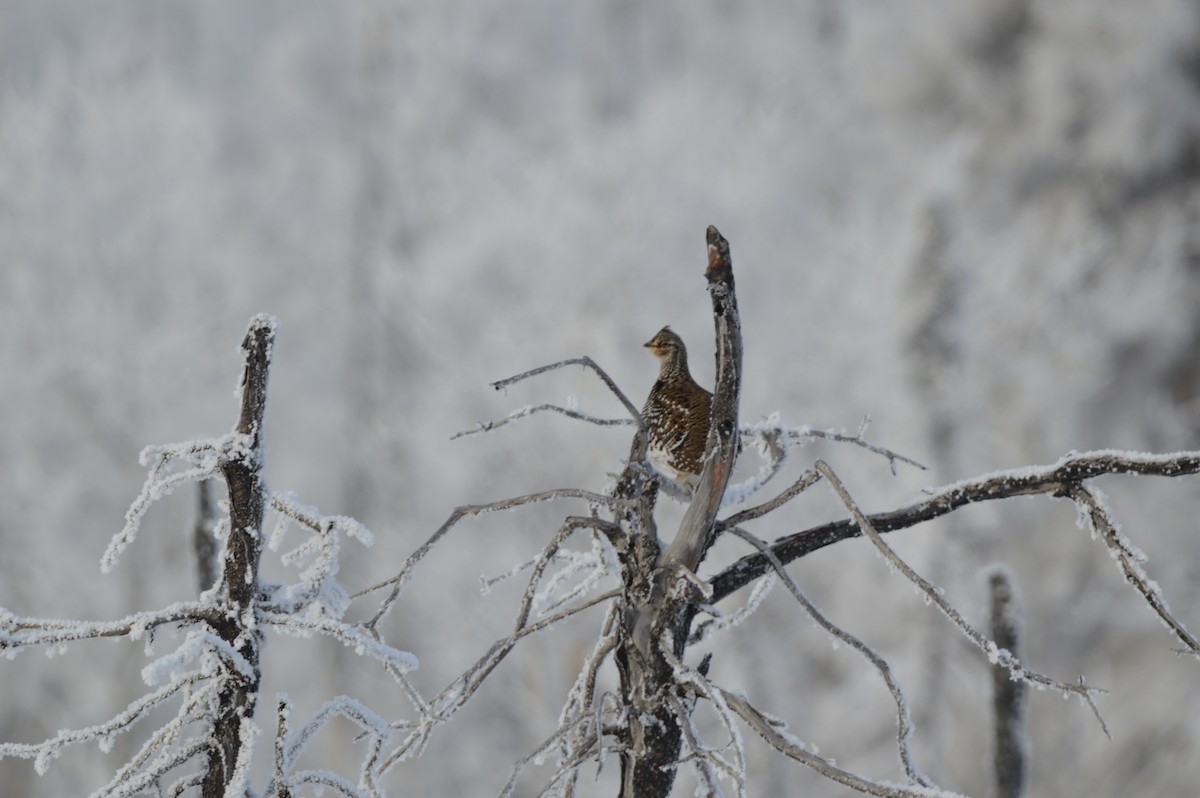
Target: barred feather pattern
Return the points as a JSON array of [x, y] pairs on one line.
[[676, 413]]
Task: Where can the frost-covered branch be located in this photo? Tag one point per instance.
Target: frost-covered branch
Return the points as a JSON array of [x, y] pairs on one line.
[[995, 654], [1050, 480], [289, 745], [454, 696], [858, 439], [775, 733], [17, 633], [103, 733], [1129, 559], [350, 635], [470, 510], [204, 456], [545, 407], [904, 727], [586, 362]]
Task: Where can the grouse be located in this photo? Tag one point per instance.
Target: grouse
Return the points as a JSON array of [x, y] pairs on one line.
[[676, 413]]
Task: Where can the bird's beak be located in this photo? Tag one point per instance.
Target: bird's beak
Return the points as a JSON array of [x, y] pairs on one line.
[[648, 344]]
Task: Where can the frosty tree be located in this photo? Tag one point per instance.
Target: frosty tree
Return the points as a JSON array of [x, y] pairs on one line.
[[212, 671], [205, 657]]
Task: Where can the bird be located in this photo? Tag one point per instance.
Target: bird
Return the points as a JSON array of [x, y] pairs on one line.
[[676, 414]]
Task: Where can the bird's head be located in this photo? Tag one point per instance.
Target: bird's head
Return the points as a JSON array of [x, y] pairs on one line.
[[666, 345]]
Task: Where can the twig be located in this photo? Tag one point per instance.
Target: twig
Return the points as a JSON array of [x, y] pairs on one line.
[[995, 654], [806, 481], [1129, 560], [903, 719], [450, 699], [790, 746], [526, 412], [858, 440], [18, 633], [586, 362], [1052, 479], [397, 581]]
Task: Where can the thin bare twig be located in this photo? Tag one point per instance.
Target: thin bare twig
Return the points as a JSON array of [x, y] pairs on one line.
[[858, 440], [1129, 560], [770, 730], [995, 654], [18, 633], [805, 481], [1052, 479], [904, 727], [586, 362], [545, 407], [397, 581], [455, 695]]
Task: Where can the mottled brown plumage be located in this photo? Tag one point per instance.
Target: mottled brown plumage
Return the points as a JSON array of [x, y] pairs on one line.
[[676, 413]]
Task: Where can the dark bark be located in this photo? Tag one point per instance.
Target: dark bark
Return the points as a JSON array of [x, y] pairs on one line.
[[659, 603], [1055, 480], [1008, 694], [243, 548]]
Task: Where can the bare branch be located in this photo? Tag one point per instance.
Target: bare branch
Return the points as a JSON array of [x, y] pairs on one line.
[[19, 633], [455, 695], [858, 440], [995, 654], [473, 510], [526, 412], [805, 481], [241, 466], [586, 362], [1052, 479], [770, 730], [1128, 558], [203, 543], [904, 725]]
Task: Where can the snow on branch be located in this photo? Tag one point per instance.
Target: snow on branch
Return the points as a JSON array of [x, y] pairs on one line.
[[904, 726], [775, 733], [317, 590], [456, 694], [1055, 480], [470, 510], [545, 407], [103, 733], [1094, 510], [349, 635], [586, 362], [17, 633], [995, 654], [290, 745], [204, 458]]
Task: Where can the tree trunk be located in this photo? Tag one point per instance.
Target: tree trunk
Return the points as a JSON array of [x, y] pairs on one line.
[[659, 603], [247, 501], [1008, 694]]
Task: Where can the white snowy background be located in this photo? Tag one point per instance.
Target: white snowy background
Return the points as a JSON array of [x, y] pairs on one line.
[[975, 222]]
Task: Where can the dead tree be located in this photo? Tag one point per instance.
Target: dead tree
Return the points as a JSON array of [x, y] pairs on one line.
[[236, 624], [658, 605], [658, 597], [213, 678]]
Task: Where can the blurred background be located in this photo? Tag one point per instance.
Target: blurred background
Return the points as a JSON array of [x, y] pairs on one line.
[[973, 222]]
